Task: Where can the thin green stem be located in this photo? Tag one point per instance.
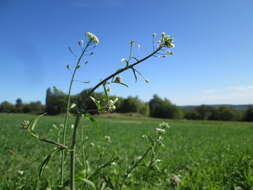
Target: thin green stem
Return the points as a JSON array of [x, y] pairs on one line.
[[68, 109], [73, 153], [135, 165]]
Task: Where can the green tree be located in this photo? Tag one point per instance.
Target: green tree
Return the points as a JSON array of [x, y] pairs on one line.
[[191, 114], [19, 105], [249, 114], [56, 101], [7, 107], [37, 107], [205, 112], [133, 105], [163, 108], [225, 113]]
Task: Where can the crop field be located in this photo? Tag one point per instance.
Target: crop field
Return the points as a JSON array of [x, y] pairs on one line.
[[200, 154]]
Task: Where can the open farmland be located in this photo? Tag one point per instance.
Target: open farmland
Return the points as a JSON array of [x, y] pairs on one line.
[[202, 154]]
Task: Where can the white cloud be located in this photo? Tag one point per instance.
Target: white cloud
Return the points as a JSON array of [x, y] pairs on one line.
[[240, 88], [228, 95]]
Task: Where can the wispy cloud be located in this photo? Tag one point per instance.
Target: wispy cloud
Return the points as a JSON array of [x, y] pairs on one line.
[[234, 94], [240, 88]]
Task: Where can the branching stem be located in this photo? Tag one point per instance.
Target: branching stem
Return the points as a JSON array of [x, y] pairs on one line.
[[79, 115], [68, 109]]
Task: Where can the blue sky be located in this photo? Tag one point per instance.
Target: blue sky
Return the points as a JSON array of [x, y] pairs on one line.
[[212, 63]]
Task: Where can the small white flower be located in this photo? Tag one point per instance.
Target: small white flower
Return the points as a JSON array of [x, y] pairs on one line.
[[108, 138], [158, 160], [238, 188], [160, 138], [92, 144], [139, 46], [72, 126], [54, 126], [124, 60], [160, 131], [111, 104], [164, 125], [144, 136], [20, 172], [92, 37], [175, 180], [80, 43]]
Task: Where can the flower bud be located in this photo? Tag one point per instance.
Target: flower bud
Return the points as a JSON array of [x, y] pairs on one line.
[[92, 37]]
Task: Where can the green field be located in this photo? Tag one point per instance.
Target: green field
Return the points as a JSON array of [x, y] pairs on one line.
[[203, 154]]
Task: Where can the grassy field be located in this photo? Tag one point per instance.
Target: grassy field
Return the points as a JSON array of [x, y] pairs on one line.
[[203, 154]]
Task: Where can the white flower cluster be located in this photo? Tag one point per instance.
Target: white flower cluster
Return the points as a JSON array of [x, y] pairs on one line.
[[111, 104], [162, 128], [20, 172], [25, 124], [160, 131], [164, 125], [167, 40], [175, 180], [92, 37]]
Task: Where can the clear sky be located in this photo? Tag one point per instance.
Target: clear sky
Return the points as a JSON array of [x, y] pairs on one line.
[[212, 63]]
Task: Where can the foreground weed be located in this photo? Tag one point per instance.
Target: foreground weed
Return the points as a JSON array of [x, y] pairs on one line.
[[97, 179]]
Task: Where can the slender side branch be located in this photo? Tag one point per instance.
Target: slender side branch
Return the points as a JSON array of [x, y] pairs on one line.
[[102, 167], [62, 146], [123, 69]]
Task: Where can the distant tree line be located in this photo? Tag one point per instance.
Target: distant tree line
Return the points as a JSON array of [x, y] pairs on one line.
[[221, 113], [20, 107], [157, 107]]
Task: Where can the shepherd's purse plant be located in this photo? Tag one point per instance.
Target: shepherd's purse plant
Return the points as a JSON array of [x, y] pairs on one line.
[[161, 48]]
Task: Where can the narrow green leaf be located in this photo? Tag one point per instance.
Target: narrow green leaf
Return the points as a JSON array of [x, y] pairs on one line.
[[105, 90], [93, 99], [134, 72], [123, 84], [89, 117], [35, 121], [103, 186], [85, 82], [45, 162], [88, 182], [71, 51], [135, 58]]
